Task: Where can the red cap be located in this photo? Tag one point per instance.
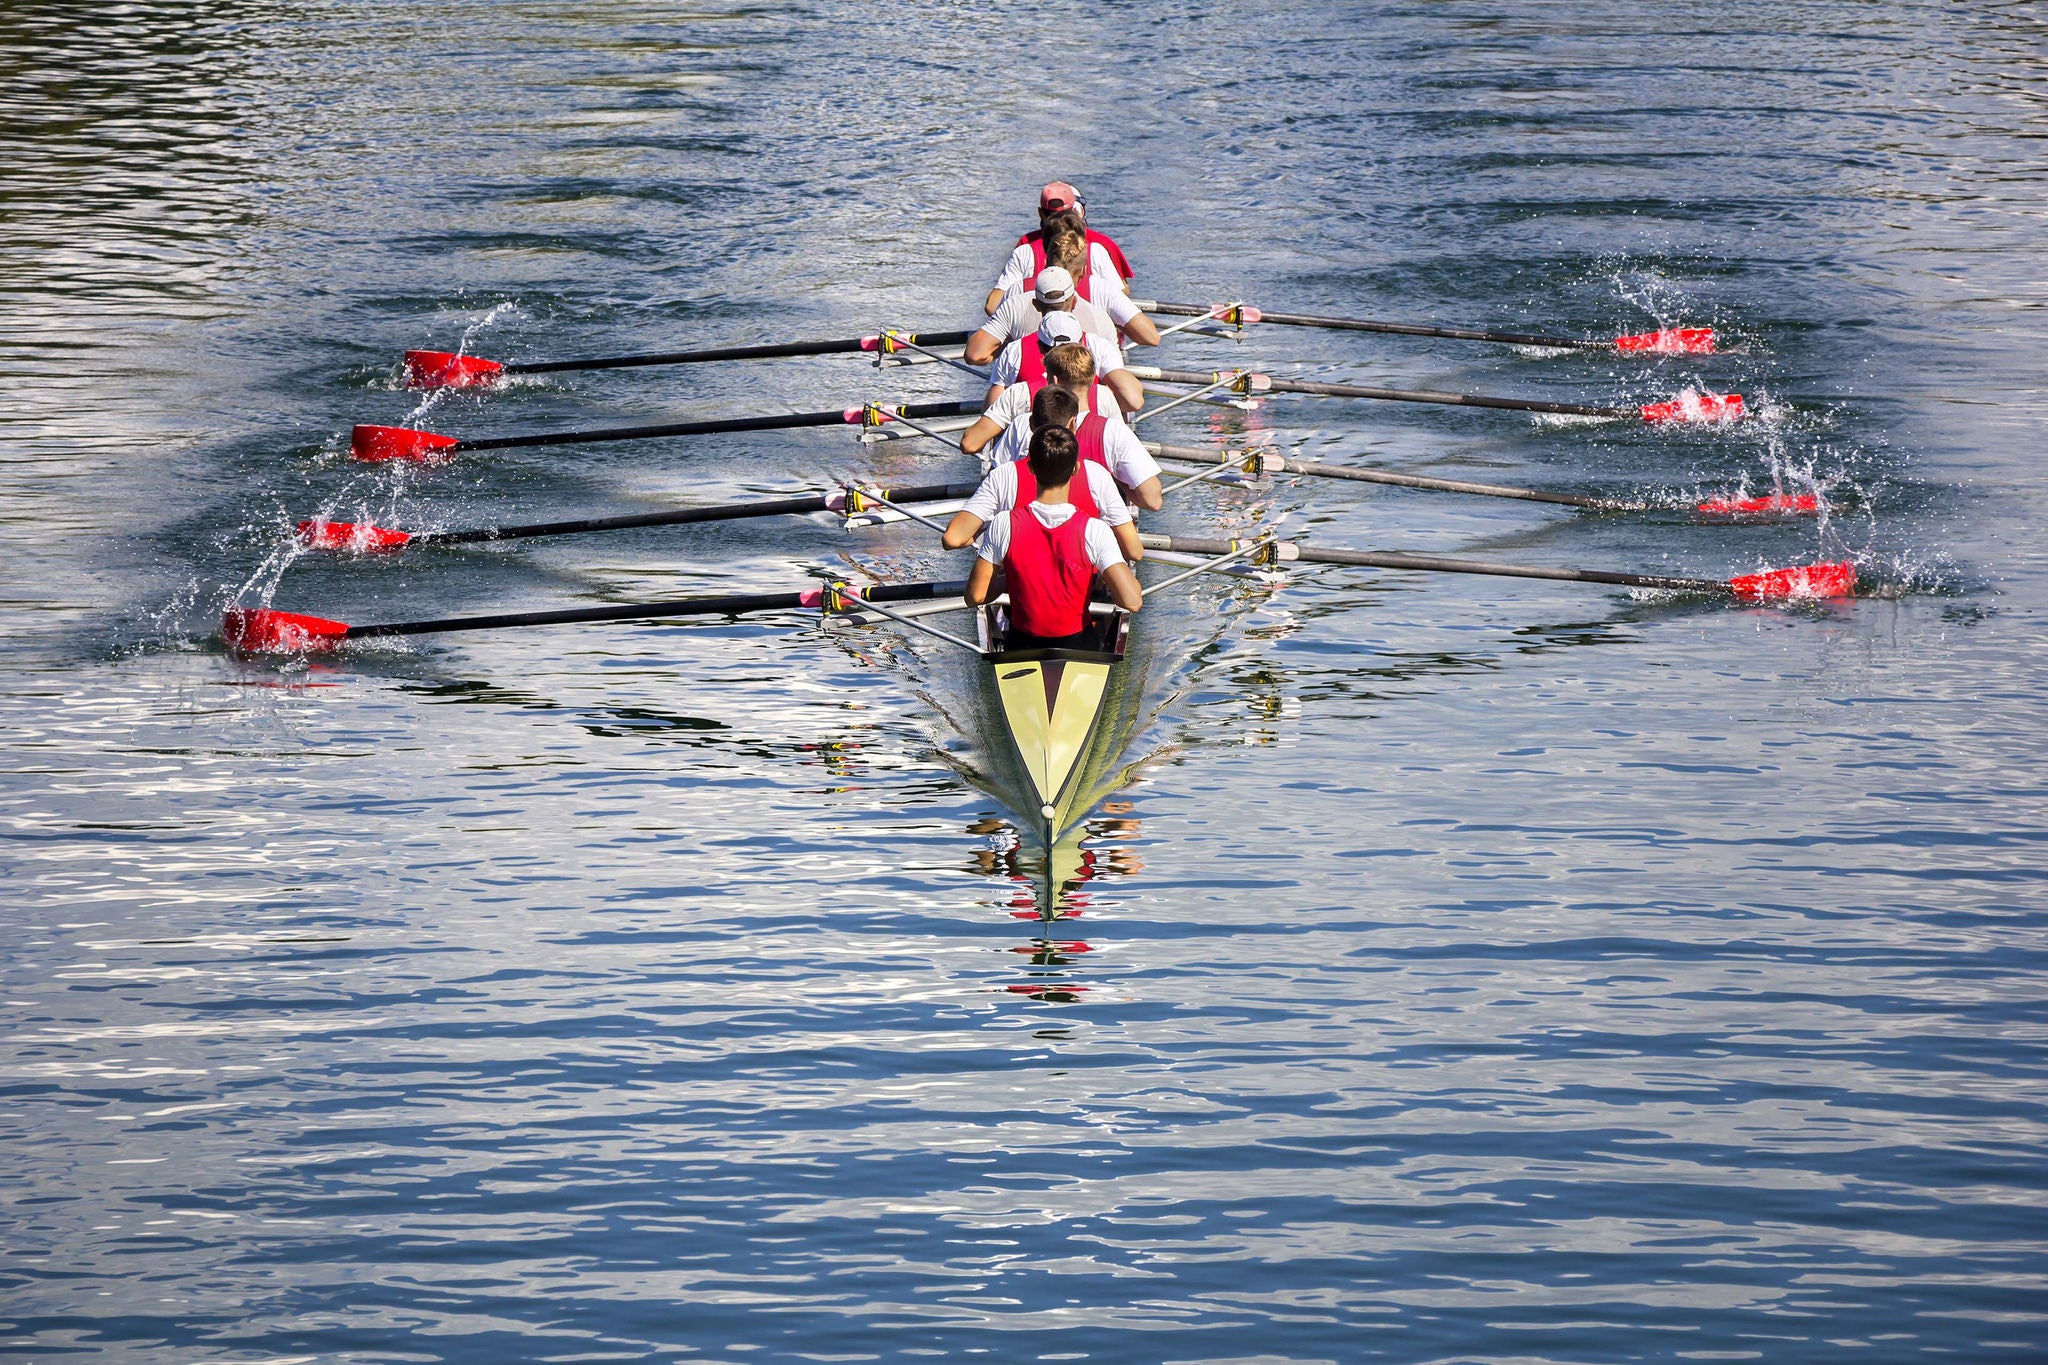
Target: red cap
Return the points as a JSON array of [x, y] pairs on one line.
[[1057, 197]]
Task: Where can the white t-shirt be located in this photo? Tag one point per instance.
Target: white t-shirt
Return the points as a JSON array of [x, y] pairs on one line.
[[998, 494], [1018, 315], [1122, 451], [1003, 372], [993, 544], [1017, 269]]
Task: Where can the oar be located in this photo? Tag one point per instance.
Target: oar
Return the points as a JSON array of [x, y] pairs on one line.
[[375, 443], [1801, 581], [1265, 460], [449, 369], [361, 537], [261, 630], [1663, 341], [1687, 407]]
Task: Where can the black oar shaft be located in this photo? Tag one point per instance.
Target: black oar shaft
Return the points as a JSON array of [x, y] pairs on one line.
[[1467, 400], [712, 426], [1406, 329], [682, 516], [635, 611], [765, 351], [1369, 559], [1273, 460]]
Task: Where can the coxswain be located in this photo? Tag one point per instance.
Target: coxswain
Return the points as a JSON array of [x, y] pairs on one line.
[[1054, 291], [1057, 201], [1003, 432], [1023, 362], [1050, 553], [1094, 491]]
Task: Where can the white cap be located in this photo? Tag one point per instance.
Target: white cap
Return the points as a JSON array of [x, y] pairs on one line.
[[1054, 284], [1058, 329]]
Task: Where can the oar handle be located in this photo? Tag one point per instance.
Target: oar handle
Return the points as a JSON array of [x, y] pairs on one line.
[[1369, 559], [713, 426], [1405, 329], [764, 351], [736, 605], [1468, 400]]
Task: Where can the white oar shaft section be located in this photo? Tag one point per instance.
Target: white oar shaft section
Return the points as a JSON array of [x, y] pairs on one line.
[[1215, 314], [900, 619], [1190, 397], [935, 433], [902, 340], [880, 499], [1247, 549]]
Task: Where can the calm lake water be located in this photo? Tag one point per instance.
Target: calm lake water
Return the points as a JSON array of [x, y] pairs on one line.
[[1464, 970]]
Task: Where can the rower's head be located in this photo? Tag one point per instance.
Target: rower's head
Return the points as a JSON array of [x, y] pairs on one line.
[[1054, 454], [1057, 198], [1070, 367], [1066, 246], [1054, 406], [1053, 290], [1059, 329]]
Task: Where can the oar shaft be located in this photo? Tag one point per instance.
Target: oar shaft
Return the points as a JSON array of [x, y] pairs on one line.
[[682, 516], [635, 611], [1406, 329], [713, 426], [1368, 559], [765, 351], [1273, 460], [1468, 400]]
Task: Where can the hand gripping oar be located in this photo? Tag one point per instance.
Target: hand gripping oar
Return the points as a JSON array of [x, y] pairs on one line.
[[1663, 341], [361, 537], [449, 369], [1687, 407], [1802, 581], [260, 630], [375, 443]]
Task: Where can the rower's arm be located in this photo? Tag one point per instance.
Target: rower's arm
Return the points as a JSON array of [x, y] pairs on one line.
[[982, 347], [982, 432], [1118, 578], [961, 531], [1147, 495], [995, 301], [1126, 540], [1130, 394], [982, 577], [1141, 330]]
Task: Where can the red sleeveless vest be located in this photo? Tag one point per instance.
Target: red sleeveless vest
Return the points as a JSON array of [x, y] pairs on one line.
[[1037, 244], [1031, 363], [1035, 239], [1078, 491], [1089, 433], [1048, 574]]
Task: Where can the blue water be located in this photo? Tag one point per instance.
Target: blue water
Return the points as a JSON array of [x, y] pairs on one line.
[[1467, 970]]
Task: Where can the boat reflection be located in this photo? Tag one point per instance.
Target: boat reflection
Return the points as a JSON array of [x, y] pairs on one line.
[[1052, 896]]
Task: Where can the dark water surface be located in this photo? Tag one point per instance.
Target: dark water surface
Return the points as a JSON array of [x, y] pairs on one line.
[[1471, 970]]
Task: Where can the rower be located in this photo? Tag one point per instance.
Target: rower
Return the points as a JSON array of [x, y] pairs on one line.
[[1011, 482], [1054, 291], [1057, 201], [1050, 554], [1104, 436], [1023, 362]]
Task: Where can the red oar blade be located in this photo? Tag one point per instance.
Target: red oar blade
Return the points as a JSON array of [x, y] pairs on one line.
[[1693, 406], [1804, 581], [1774, 505], [355, 537], [447, 370], [1670, 341], [376, 444], [258, 630]]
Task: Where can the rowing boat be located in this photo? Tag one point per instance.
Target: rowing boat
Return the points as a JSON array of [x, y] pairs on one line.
[[1052, 704]]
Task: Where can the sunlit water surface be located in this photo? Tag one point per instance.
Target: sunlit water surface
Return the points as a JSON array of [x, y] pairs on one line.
[[1468, 969]]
